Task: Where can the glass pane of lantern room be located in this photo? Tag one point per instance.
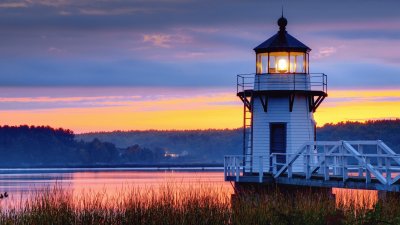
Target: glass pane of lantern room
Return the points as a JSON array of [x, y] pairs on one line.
[[292, 64], [264, 59], [297, 62], [300, 64], [272, 64], [258, 64], [262, 62], [279, 62]]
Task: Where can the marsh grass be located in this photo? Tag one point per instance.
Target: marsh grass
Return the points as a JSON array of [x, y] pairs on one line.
[[198, 205]]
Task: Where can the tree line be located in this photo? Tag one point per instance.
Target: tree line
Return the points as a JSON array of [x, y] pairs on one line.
[[46, 146], [28, 146], [211, 145]]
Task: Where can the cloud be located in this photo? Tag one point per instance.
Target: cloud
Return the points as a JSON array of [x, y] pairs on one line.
[[391, 33], [115, 11], [147, 99], [65, 13], [13, 5], [54, 50], [128, 43], [159, 40], [166, 40], [191, 55], [325, 52], [52, 3]]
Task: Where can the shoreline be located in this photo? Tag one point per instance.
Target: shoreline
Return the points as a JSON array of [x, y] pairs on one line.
[[98, 168]]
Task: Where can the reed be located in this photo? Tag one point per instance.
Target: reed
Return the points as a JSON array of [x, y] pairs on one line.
[[198, 205]]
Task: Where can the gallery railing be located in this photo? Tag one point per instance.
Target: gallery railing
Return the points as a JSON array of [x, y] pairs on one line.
[[310, 82]]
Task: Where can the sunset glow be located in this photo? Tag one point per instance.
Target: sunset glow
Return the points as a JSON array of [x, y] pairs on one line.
[[94, 67], [130, 109]]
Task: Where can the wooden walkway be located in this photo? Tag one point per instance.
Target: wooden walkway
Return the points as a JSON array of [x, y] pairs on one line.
[[368, 165]]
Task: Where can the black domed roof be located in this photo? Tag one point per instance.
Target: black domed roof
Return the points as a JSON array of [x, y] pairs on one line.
[[282, 41]]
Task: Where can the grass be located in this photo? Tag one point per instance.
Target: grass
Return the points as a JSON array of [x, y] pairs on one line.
[[200, 205]]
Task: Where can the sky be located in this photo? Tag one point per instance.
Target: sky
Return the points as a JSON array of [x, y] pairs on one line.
[[103, 65]]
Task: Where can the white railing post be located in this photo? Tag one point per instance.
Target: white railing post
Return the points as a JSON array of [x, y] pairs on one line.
[[225, 175], [344, 166], [367, 172], [388, 171], [379, 153], [237, 169], [261, 170], [360, 168], [227, 165], [274, 169], [290, 171], [325, 168], [233, 169], [308, 169]]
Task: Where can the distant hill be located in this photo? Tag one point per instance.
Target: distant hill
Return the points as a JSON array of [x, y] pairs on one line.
[[199, 145], [386, 130], [211, 145], [30, 146]]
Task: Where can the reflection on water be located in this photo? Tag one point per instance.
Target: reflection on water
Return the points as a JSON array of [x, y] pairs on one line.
[[359, 198], [110, 183], [118, 183]]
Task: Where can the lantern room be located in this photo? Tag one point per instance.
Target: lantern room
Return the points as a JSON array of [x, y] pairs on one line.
[[282, 54]]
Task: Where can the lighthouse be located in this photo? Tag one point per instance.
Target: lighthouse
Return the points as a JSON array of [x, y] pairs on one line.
[[279, 101], [279, 140]]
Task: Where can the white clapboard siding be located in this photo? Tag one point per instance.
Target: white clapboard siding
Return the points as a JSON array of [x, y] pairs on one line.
[[299, 127]]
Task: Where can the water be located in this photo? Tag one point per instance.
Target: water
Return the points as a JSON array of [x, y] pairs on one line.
[[22, 184]]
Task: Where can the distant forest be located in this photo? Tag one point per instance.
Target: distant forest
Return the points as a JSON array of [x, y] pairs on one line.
[[26, 146], [211, 145]]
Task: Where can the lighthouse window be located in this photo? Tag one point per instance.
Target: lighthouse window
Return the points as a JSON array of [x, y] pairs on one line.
[[272, 65], [281, 62], [297, 62], [262, 63]]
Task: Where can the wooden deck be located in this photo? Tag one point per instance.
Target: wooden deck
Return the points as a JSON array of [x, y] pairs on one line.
[[368, 165], [316, 181]]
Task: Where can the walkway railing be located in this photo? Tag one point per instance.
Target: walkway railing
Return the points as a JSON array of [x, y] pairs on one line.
[[235, 166], [365, 161], [313, 82], [358, 159]]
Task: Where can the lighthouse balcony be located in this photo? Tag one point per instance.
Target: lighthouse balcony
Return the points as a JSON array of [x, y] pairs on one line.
[[315, 83]]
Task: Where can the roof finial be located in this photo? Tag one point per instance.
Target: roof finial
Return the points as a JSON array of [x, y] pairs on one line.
[[282, 22]]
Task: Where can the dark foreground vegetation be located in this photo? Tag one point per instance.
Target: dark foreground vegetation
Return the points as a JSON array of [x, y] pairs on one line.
[[26, 146], [199, 207]]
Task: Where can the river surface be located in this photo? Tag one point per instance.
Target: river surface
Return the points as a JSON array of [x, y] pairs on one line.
[[23, 184]]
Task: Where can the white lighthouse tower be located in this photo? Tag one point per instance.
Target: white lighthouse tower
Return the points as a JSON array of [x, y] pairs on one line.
[[279, 102], [280, 146]]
